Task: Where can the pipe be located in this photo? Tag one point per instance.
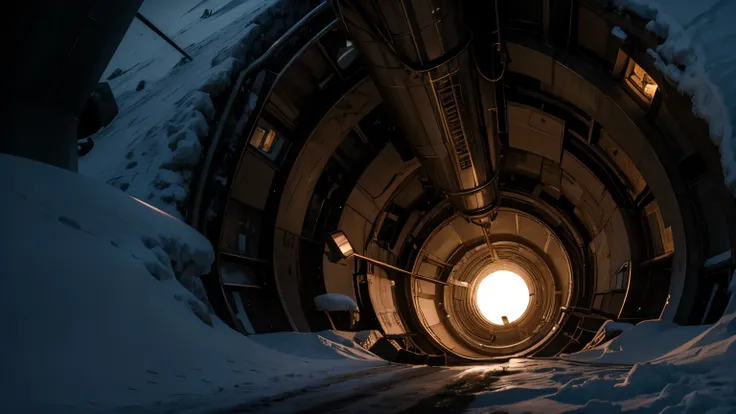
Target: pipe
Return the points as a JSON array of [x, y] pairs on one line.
[[58, 51], [406, 272], [421, 60]]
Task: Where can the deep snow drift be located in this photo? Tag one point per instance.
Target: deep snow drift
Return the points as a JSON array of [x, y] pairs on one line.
[[698, 55], [94, 316], [643, 342]]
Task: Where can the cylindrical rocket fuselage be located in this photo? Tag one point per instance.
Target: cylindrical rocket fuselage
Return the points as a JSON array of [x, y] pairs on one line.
[[420, 57]]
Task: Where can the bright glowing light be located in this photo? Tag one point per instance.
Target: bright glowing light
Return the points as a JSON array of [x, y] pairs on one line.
[[502, 293]]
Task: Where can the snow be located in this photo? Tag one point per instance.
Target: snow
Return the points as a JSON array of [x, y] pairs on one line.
[[95, 316], [636, 344], [717, 259], [675, 369], [698, 55], [322, 345], [619, 32], [365, 339], [143, 55], [153, 146], [335, 302]]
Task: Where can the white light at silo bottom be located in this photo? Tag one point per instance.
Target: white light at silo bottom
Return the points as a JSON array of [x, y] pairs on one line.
[[502, 293]]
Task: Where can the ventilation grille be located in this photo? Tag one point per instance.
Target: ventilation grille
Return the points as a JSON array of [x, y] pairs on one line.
[[449, 96]]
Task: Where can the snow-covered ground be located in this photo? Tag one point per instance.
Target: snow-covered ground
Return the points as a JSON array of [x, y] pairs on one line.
[[95, 316], [698, 55]]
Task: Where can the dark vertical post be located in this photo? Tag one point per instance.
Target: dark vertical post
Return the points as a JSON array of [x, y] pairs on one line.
[[57, 53]]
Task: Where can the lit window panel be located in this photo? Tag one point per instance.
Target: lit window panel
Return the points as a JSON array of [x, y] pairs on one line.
[[256, 140], [640, 81], [267, 142]]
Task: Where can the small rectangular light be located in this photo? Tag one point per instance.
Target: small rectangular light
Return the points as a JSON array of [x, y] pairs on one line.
[[639, 80], [343, 243], [339, 246]]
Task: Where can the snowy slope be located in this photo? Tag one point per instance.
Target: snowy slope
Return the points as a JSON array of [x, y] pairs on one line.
[[154, 144], [699, 56], [94, 318], [143, 55], [646, 341]]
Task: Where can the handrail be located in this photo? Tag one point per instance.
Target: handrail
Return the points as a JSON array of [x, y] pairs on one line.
[[244, 74]]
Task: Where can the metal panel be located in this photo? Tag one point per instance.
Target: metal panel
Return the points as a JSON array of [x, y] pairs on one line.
[[411, 191], [571, 189], [426, 287], [623, 162], [593, 32], [552, 175], [524, 163], [582, 175], [529, 62], [535, 131], [363, 204], [313, 157], [428, 270], [447, 339], [381, 294], [532, 231], [467, 231], [428, 310], [604, 271], [252, 182], [618, 240], [443, 243], [505, 223], [338, 278], [286, 271], [592, 209], [238, 274], [381, 172]]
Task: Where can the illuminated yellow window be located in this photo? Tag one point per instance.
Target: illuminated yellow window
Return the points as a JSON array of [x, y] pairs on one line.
[[268, 141], [263, 139], [640, 81], [257, 138]]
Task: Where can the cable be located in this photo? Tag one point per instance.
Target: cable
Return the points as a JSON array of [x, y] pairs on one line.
[[503, 71], [498, 46]]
